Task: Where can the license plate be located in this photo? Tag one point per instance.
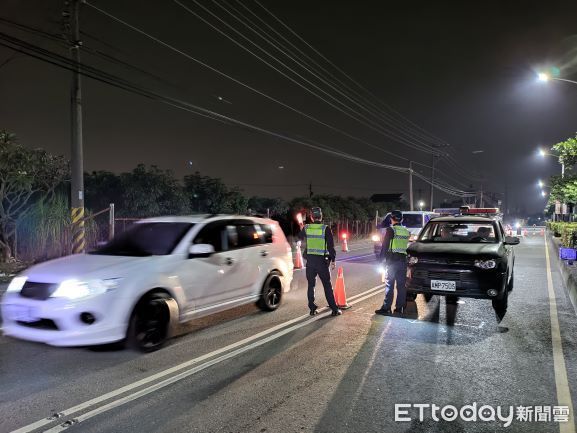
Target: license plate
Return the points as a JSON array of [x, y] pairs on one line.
[[21, 313], [447, 286]]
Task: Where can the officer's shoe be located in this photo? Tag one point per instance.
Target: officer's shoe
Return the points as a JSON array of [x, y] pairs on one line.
[[400, 311], [314, 312], [384, 311], [336, 312]]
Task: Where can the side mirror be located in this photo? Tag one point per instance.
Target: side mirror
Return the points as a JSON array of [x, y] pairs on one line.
[[512, 240], [200, 250]]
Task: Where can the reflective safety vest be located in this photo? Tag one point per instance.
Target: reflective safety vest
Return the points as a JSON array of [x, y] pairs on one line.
[[400, 241], [316, 242]]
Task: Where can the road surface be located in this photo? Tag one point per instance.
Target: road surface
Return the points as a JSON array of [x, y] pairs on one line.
[[249, 371]]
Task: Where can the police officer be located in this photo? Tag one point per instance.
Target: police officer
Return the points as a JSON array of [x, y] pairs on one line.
[[394, 258], [319, 254]]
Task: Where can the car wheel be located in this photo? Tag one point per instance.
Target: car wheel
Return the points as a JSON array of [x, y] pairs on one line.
[[500, 305], [149, 324], [428, 296], [271, 293]]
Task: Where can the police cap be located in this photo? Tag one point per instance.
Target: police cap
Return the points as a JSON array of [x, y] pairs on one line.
[[397, 215], [317, 213]]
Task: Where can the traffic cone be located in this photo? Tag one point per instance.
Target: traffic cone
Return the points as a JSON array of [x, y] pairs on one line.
[[542, 232], [340, 294], [345, 245], [298, 259]]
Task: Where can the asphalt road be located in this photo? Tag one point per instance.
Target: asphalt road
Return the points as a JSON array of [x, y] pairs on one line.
[[249, 371]]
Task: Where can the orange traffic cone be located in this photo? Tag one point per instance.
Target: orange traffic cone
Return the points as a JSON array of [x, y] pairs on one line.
[[344, 244], [340, 294], [298, 258]]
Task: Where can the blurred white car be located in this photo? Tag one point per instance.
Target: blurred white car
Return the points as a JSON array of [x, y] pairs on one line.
[[158, 273]]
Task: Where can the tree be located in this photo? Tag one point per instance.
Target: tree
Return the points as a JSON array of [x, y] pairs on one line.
[[567, 151], [210, 195], [151, 191], [260, 205], [26, 176], [101, 189]]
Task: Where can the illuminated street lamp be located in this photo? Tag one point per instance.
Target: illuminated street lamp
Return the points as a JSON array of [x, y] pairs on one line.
[[541, 184], [543, 194], [421, 205], [543, 154]]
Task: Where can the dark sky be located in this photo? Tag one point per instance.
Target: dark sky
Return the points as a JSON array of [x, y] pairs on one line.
[[462, 70]]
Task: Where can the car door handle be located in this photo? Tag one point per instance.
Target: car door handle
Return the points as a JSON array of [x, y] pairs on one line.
[[229, 261], [264, 253]]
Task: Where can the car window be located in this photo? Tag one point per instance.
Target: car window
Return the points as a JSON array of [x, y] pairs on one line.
[[213, 234], [146, 239], [412, 220], [461, 231], [247, 235], [265, 232]]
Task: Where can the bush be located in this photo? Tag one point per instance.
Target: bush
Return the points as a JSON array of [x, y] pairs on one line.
[[566, 231]]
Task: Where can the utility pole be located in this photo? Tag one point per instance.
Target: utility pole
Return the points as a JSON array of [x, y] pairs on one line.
[[411, 185], [432, 180], [310, 189], [76, 159]]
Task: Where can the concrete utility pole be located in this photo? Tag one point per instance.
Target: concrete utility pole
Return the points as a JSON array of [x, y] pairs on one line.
[[411, 185], [432, 180], [76, 159]]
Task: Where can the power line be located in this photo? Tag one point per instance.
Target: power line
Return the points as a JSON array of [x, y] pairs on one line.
[[367, 122], [91, 72]]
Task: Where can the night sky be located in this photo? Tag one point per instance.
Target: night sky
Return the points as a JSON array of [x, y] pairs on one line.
[[462, 70]]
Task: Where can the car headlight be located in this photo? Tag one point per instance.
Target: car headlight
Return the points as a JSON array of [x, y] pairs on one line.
[[486, 264], [376, 238], [74, 289], [413, 260], [16, 284]]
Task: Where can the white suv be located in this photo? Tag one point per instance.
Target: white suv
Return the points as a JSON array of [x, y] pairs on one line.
[[158, 273]]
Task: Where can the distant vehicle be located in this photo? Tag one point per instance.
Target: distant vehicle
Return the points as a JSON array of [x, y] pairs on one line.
[[414, 221], [463, 256], [159, 272]]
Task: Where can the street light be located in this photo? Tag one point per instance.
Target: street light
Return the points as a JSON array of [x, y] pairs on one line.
[[543, 154], [543, 194], [541, 184], [421, 204]]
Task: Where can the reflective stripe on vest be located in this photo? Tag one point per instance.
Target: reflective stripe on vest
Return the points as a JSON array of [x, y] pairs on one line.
[[400, 241], [316, 243]]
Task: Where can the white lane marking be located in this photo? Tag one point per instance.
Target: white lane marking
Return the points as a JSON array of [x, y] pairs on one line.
[[561, 381], [185, 374], [162, 374], [348, 259]]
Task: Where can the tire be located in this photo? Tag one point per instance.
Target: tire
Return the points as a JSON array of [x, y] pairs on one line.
[[271, 294], [149, 324], [500, 305]]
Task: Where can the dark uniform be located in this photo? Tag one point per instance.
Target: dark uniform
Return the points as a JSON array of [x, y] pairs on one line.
[[394, 257], [319, 255]]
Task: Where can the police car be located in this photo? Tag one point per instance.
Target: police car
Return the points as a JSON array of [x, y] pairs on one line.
[[467, 255], [414, 221]]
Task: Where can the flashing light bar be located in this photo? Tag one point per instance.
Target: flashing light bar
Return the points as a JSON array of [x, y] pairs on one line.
[[482, 210]]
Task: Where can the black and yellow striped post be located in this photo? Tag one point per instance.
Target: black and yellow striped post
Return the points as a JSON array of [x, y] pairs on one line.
[[78, 241]]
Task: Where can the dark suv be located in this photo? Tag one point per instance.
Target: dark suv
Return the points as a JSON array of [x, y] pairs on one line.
[[463, 256]]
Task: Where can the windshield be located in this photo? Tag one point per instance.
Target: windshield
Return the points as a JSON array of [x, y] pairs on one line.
[[460, 231], [412, 221], [146, 239]]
